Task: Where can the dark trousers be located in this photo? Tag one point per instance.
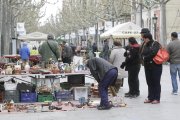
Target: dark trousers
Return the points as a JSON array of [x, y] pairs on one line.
[[153, 77], [133, 79], [108, 79], [66, 60]]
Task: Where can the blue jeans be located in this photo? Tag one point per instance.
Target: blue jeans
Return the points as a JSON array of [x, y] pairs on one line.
[[108, 79], [174, 69]]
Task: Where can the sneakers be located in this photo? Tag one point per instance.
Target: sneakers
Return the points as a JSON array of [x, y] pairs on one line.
[[104, 107], [131, 95], [134, 96], [127, 94], [174, 93]]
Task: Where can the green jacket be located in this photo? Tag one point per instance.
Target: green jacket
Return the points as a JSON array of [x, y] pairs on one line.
[[46, 52]]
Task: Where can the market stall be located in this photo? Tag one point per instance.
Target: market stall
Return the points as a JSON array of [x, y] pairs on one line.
[[35, 36], [18, 93], [124, 30]]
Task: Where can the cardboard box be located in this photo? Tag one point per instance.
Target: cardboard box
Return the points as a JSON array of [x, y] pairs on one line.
[[80, 92]]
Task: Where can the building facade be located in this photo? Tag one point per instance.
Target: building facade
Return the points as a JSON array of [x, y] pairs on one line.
[[172, 15]]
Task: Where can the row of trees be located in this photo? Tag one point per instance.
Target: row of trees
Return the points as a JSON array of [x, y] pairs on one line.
[[75, 15], [82, 14], [13, 11]]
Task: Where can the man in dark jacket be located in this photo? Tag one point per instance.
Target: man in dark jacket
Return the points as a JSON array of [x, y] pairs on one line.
[[106, 50], [94, 48], [105, 74], [67, 53]]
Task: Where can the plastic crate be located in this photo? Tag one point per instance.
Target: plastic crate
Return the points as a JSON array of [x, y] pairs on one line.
[[12, 95], [76, 80], [43, 98], [28, 97], [65, 85], [63, 95]]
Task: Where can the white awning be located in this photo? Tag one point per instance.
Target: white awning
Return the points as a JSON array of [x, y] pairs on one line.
[[124, 30], [35, 36]]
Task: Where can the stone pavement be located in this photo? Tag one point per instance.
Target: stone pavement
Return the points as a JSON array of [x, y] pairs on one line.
[[168, 109]]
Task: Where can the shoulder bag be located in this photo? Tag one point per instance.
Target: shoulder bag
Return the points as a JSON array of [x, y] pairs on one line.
[[52, 50], [161, 56]]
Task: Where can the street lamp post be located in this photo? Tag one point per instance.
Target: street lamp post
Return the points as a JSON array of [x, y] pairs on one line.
[[14, 42], [87, 37], [96, 32], [155, 25]]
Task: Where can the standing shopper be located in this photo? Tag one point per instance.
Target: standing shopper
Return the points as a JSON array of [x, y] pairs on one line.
[[106, 50], [49, 50], [67, 53], [153, 71], [94, 49], [116, 58], [105, 74], [174, 52], [132, 65], [24, 53]]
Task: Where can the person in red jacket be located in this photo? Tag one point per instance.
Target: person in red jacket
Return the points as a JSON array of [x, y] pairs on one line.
[[132, 65]]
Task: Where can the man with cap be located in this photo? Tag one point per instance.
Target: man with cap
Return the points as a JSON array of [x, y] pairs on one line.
[[49, 50]]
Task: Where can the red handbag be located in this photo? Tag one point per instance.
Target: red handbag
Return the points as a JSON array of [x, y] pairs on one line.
[[161, 56]]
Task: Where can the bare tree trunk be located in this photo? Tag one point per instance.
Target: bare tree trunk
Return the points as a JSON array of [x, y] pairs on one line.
[[6, 30], [1, 22], [163, 32], [141, 22], [134, 10], [4, 27], [149, 19]]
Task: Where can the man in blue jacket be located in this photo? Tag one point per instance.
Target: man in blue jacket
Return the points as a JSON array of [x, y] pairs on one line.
[[24, 53]]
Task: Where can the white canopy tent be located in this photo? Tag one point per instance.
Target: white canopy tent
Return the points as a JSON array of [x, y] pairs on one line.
[[33, 39], [124, 30], [35, 36]]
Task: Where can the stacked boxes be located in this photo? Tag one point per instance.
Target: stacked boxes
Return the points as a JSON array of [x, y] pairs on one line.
[[63, 95], [28, 97], [12, 95], [80, 92], [45, 97]]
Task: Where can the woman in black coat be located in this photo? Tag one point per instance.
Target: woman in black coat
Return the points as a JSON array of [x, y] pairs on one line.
[[153, 71]]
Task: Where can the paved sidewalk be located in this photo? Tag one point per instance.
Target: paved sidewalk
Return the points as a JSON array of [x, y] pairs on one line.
[[168, 109]]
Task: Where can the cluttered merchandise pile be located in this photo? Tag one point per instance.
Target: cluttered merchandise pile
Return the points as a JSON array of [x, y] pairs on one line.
[[67, 99], [43, 89]]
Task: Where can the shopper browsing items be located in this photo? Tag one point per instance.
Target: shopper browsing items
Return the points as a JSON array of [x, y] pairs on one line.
[[105, 74]]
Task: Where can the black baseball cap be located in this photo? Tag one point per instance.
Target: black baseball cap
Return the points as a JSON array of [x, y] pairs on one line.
[[144, 30]]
